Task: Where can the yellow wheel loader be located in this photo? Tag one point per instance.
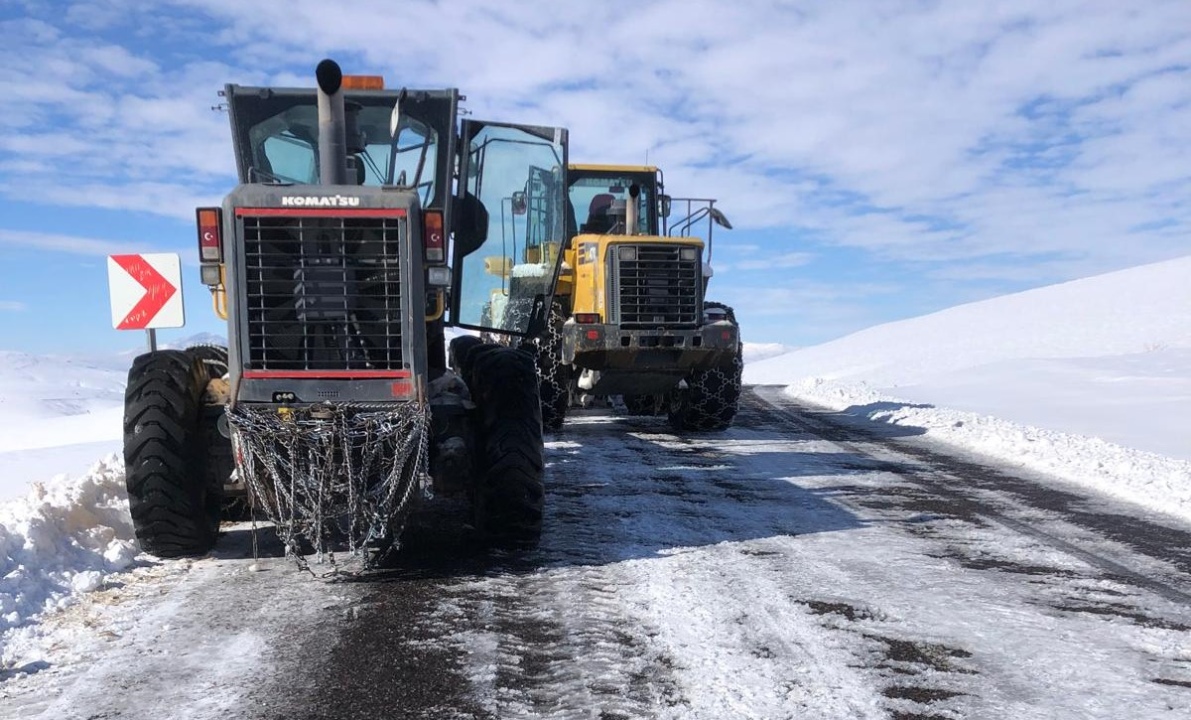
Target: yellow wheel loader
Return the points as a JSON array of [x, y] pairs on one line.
[[629, 315]]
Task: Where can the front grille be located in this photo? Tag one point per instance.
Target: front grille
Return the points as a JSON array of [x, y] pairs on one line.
[[323, 293], [656, 289]]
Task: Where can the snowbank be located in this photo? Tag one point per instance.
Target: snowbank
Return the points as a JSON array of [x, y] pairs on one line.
[[59, 540], [1157, 482]]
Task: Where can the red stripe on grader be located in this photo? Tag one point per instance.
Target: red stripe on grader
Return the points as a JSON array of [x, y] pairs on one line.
[[327, 374]]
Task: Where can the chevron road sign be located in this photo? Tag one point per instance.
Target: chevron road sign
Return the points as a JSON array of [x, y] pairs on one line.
[[146, 291]]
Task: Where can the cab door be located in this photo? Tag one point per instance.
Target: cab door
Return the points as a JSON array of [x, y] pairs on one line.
[[511, 206]]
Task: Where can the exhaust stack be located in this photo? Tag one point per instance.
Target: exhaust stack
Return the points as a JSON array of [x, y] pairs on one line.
[[332, 124], [630, 210]]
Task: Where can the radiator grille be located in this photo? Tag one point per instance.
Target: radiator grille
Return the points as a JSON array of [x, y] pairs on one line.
[[656, 288], [323, 293]]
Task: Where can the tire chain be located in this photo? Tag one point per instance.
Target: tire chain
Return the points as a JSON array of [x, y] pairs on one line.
[[316, 494], [712, 396], [554, 378]]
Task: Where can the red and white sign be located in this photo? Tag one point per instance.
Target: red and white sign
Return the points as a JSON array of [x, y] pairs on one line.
[[146, 291]]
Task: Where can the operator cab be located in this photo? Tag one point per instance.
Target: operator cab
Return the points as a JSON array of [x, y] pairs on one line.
[[276, 138], [450, 233], [597, 191]]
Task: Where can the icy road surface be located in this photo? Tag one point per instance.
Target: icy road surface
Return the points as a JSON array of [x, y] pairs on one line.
[[797, 566]]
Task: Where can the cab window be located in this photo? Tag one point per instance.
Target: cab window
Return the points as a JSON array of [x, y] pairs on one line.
[[592, 198], [284, 148]]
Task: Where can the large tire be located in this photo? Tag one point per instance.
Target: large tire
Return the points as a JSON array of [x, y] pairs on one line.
[[641, 404], [460, 354], [554, 378], [711, 397], [175, 508], [510, 491]]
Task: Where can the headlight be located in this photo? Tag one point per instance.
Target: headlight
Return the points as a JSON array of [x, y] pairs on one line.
[[628, 252], [714, 314], [210, 274], [689, 253], [438, 276]]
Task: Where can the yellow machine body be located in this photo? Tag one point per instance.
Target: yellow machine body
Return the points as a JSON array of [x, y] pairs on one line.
[[632, 295]]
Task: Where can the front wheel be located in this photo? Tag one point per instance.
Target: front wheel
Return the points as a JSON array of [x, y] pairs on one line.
[[214, 358], [711, 397], [220, 463]]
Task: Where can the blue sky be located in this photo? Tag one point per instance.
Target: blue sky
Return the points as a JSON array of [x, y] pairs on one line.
[[879, 159]]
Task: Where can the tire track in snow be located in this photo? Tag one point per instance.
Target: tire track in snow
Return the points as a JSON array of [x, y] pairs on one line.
[[640, 604], [1123, 587], [998, 497]]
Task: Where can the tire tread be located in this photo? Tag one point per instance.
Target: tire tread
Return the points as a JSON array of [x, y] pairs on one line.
[[511, 492], [164, 454]]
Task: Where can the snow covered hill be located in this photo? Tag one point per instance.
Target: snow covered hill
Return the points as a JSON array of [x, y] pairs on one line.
[[1143, 310], [758, 351], [1089, 380]]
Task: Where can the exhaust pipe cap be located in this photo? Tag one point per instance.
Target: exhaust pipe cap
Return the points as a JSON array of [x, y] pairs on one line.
[[329, 76]]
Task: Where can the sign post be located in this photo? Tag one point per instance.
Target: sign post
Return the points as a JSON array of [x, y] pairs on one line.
[[146, 293]]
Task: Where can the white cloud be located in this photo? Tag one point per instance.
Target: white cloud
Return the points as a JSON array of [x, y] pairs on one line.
[[67, 243], [13, 306], [781, 260], [1054, 133]]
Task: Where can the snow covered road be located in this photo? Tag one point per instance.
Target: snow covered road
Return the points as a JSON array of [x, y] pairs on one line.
[[797, 566]]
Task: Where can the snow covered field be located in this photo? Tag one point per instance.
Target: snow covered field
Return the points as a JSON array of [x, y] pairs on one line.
[[57, 415], [1089, 381]]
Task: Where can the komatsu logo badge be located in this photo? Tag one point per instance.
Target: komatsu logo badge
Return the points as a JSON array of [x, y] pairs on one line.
[[320, 201]]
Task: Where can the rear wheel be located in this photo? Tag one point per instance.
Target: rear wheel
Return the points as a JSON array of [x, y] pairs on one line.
[[711, 397], [510, 494], [175, 508]]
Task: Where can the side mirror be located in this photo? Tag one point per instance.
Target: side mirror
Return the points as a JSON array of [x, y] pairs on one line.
[[720, 219], [395, 116], [473, 165], [520, 203], [664, 206]]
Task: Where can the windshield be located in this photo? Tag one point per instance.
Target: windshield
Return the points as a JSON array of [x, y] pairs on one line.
[[592, 196], [284, 148], [275, 133], [517, 175]]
